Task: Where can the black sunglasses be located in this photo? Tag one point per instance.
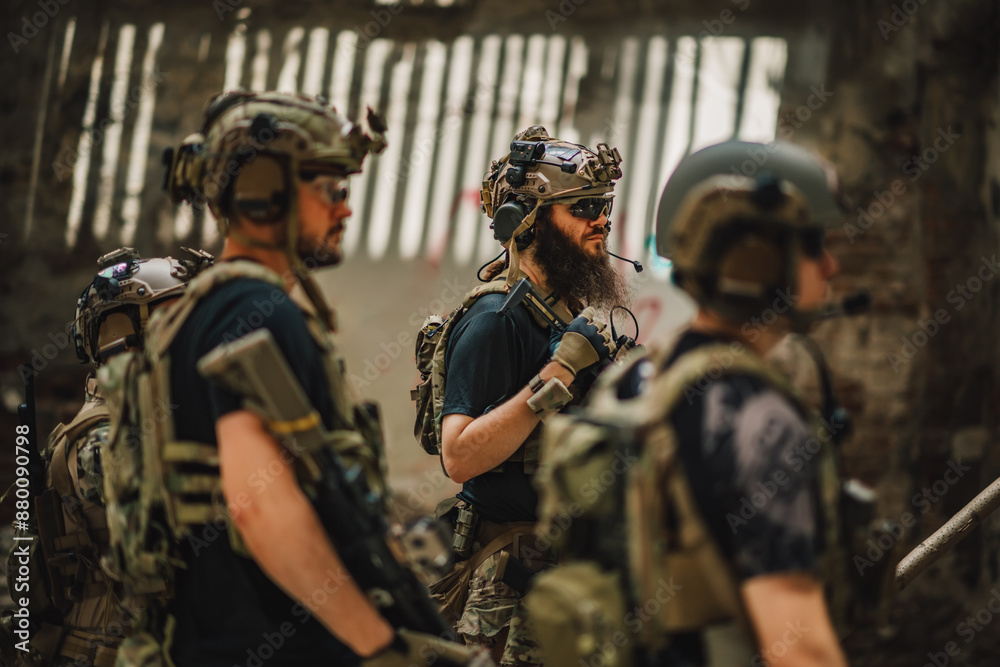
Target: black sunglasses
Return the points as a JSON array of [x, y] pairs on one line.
[[812, 241], [591, 208]]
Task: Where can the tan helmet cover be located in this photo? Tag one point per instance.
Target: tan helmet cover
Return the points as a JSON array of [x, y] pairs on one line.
[[239, 127], [249, 157], [540, 171], [738, 160], [714, 205], [732, 254], [565, 172]]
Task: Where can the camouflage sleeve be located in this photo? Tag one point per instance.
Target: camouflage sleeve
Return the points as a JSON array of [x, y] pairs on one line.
[[90, 473]]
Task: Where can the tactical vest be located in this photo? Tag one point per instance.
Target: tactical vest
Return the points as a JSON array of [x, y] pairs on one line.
[[161, 490], [616, 500], [86, 618], [431, 347]]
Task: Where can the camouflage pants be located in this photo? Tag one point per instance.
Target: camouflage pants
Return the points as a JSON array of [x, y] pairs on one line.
[[494, 613]]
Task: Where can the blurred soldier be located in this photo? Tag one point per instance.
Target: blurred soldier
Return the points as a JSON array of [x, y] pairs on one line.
[[728, 486], [260, 580], [549, 201], [82, 615]]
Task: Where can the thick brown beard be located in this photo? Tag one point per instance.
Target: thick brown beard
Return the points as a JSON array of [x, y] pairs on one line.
[[576, 277]]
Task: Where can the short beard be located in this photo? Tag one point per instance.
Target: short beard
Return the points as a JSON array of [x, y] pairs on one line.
[[316, 255], [573, 275]]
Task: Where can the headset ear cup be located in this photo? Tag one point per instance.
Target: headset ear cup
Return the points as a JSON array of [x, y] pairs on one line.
[[260, 190], [507, 219], [754, 260]]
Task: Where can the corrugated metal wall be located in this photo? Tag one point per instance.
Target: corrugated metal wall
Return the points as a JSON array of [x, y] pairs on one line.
[[451, 107]]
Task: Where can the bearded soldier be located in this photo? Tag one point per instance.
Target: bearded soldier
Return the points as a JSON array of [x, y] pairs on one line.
[[549, 201], [85, 614], [229, 521]]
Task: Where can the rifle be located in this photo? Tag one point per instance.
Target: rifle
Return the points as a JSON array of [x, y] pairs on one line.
[[524, 292], [349, 510], [26, 415]]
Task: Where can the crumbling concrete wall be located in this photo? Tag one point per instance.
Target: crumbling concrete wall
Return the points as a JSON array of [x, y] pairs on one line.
[[910, 122]]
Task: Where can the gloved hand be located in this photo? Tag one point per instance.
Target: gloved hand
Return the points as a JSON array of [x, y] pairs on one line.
[[423, 650], [584, 343]]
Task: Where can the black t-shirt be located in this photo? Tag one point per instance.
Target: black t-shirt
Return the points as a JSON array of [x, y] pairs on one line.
[[491, 357], [228, 611]]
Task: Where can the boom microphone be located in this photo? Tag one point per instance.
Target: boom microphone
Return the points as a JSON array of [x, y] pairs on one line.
[[634, 262], [852, 304]]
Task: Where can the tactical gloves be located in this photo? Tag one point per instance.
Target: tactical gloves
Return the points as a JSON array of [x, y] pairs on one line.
[[584, 343], [418, 649]]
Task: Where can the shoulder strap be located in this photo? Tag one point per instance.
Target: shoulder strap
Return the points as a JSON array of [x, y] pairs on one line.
[[713, 361], [167, 324], [496, 286], [499, 286]]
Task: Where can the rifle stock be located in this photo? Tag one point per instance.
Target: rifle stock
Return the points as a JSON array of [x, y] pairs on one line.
[[524, 291], [350, 511]]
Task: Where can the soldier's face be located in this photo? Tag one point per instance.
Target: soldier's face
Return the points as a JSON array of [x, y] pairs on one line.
[[814, 276], [572, 254], [323, 211], [589, 235]]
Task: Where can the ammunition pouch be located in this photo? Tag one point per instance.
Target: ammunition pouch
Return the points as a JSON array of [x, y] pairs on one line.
[[578, 611], [465, 525], [89, 648]]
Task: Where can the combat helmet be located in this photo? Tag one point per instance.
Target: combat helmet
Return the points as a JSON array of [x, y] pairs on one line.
[[254, 147], [112, 311], [252, 151], [539, 171], [734, 228]]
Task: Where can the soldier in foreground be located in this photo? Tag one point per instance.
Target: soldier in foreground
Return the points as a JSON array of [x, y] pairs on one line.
[[704, 429], [84, 613], [549, 201], [227, 525]]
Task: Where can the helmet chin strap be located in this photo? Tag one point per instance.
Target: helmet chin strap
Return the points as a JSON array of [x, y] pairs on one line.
[[290, 250], [511, 245], [252, 242], [302, 273]]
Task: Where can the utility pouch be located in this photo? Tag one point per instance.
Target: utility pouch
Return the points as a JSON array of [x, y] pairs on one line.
[[451, 591], [466, 522], [578, 611], [48, 506], [425, 429]]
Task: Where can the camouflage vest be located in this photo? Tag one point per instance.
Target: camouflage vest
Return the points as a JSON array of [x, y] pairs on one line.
[[431, 347], [618, 458], [83, 611], [161, 490]]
